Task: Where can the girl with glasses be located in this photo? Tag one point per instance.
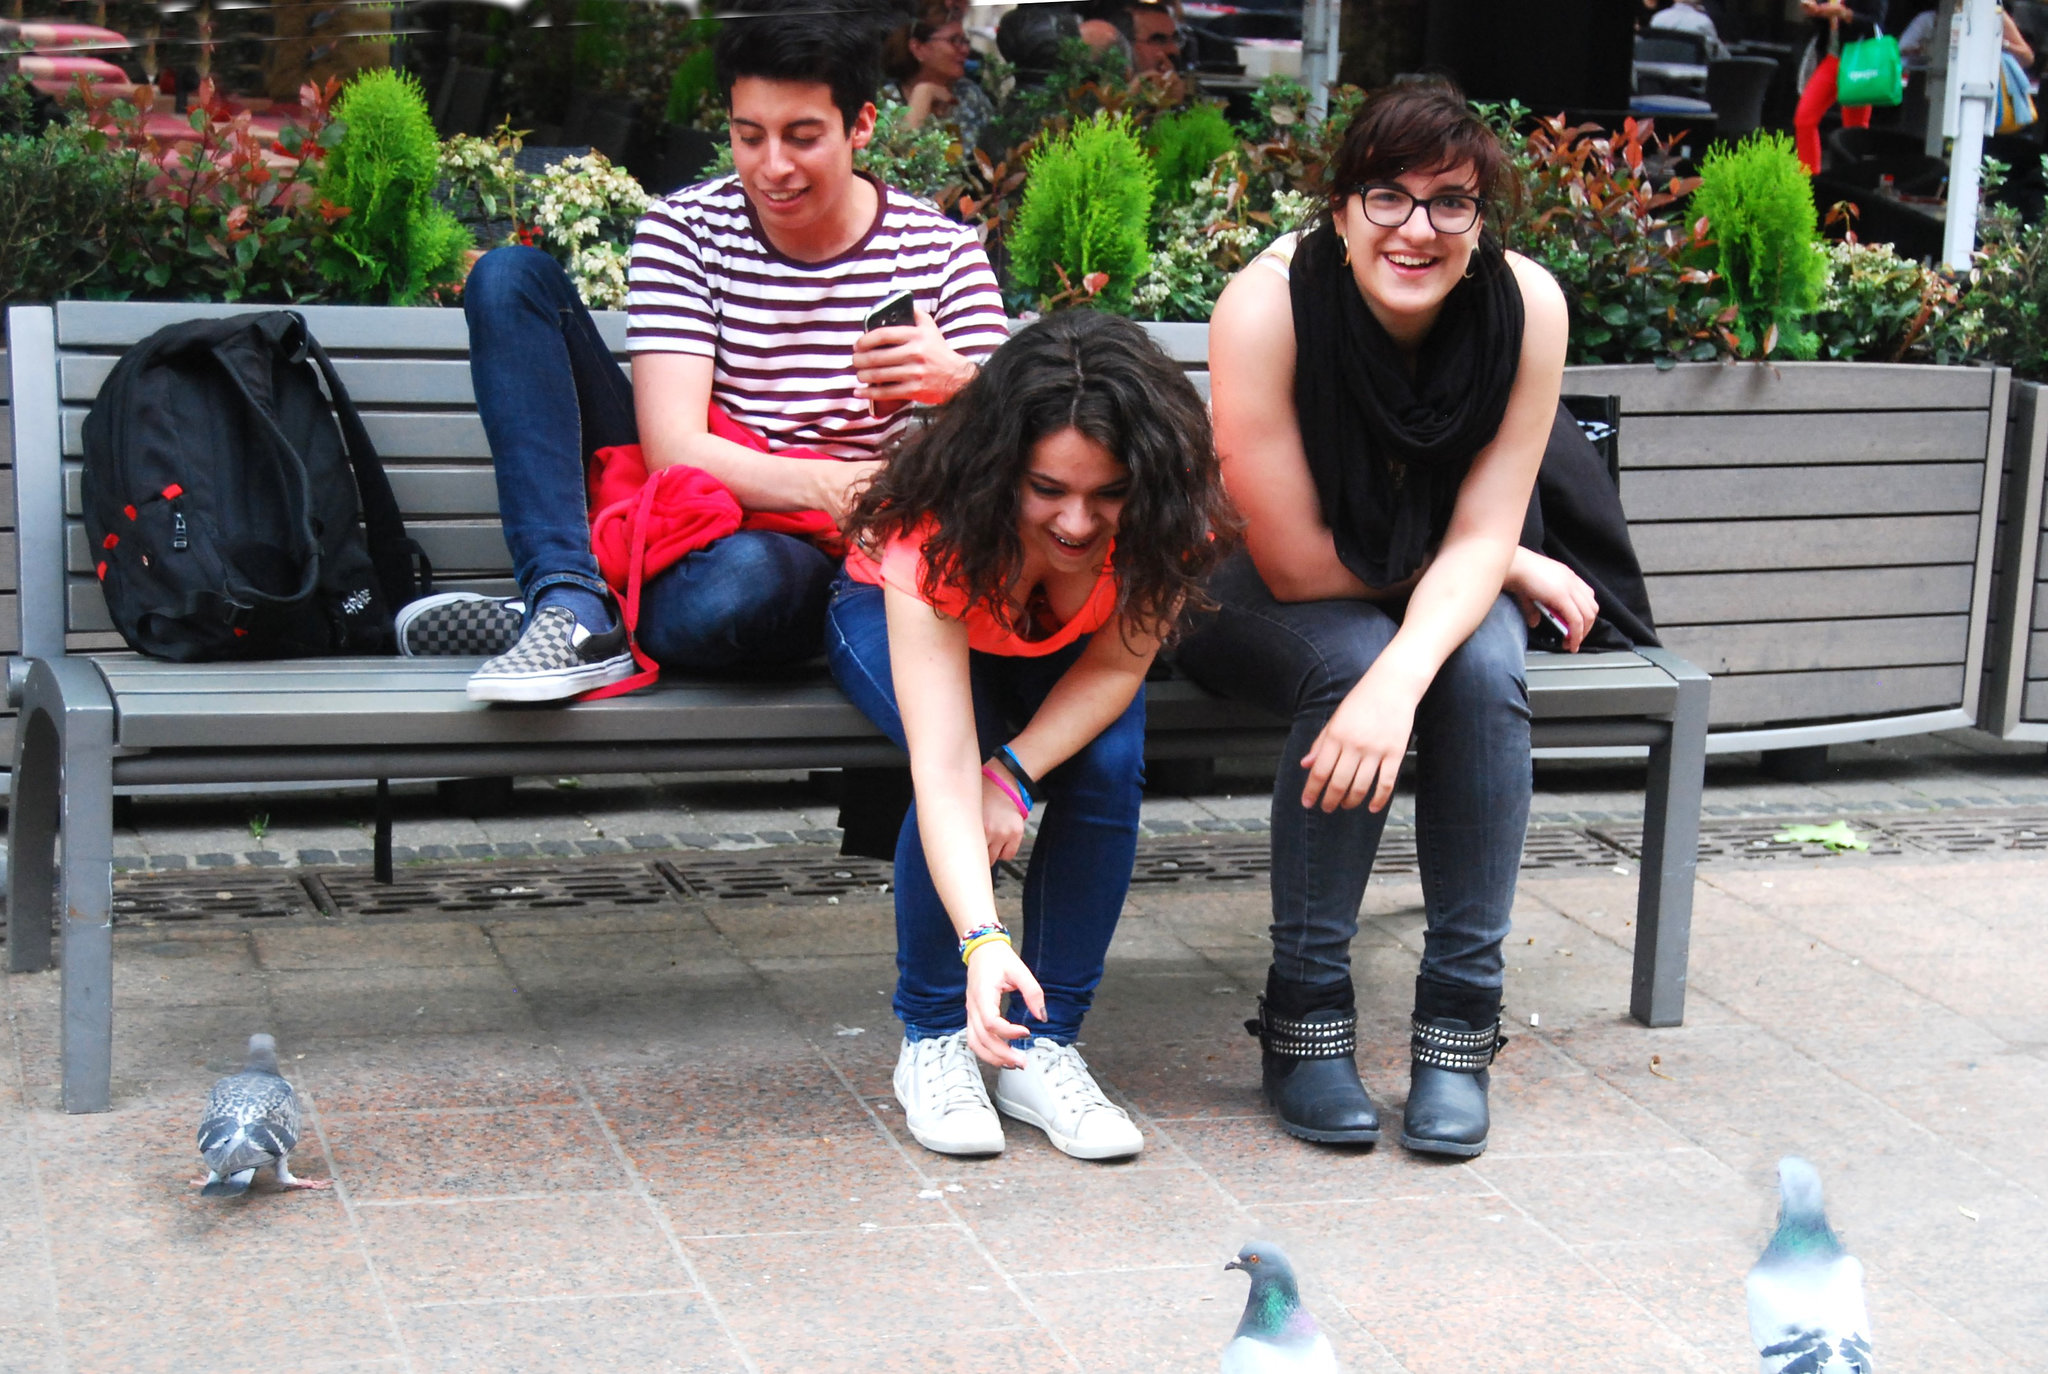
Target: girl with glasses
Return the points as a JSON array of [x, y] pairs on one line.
[[929, 61], [1384, 386]]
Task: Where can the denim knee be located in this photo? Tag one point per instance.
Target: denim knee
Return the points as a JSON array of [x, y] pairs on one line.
[[1111, 766], [1489, 671], [505, 278], [750, 600]]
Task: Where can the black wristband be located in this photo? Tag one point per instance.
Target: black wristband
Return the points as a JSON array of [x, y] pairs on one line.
[[1009, 760]]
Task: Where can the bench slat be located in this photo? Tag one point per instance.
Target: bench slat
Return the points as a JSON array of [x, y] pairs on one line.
[[421, 489], [1705, 388], [396, 435], [1850, 693], [1937, 436], [1781, 545], [370, 381], [1772, 646], [1834, 594], [1792, 492], [457, 546], [409, 329]]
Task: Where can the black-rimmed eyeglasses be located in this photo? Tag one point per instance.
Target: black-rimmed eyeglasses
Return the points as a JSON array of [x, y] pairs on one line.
[[1390, 207]]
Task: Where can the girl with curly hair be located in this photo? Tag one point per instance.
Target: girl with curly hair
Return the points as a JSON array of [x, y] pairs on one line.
[[1016, 567]]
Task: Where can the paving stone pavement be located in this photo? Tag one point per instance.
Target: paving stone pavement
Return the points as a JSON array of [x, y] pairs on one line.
[[660, 1137]]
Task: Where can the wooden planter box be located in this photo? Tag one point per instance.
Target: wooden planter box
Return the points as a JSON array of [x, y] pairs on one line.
[[2016, 670], [1818, 536]]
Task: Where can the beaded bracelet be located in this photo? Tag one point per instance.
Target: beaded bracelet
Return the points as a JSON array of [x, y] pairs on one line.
[[1020, 800], [1024, 779], [979, 936]]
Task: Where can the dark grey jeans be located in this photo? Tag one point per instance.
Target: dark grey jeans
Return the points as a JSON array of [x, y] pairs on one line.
[[1472, 775]]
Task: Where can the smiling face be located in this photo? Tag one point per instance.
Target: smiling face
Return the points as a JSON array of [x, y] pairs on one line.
[[1072, 500], [794, 153], [942, 58], [1405, 272]]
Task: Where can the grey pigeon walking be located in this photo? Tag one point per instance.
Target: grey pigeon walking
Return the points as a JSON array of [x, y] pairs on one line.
[[251, 1123], [1806, 1309], [1276, 1335]]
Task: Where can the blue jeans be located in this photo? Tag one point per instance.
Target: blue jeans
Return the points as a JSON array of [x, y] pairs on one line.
[[1472, 774], [549, 394], [1080, 863]]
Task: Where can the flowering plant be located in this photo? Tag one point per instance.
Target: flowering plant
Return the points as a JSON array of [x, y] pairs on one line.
[[583, 211], [224, 216], [1199, 246]]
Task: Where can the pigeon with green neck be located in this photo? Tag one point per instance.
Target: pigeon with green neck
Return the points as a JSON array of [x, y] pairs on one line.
[[1276, 1335], [1806, 1310]]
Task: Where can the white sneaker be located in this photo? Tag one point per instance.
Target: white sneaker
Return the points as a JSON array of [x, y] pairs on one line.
[[1055, 1092], [945, 1103]]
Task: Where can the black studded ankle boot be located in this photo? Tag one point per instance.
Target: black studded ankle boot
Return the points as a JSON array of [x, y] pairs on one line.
[[1454, 1036], [1310, 1074]]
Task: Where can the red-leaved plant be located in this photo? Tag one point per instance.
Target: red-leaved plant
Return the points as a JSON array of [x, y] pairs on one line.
[[227, 215]]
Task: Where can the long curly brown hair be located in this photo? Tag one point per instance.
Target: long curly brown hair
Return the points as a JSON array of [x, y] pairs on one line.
[[1083, 370]]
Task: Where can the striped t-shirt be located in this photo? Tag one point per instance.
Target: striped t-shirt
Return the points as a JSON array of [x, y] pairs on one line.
[[705, 280]]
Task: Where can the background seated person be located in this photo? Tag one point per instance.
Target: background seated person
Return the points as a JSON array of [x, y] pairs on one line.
[[928, 59], [1020, 562], [747, 293], [1152, 31]]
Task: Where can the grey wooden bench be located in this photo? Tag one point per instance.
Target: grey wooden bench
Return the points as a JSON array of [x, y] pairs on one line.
[[94, 717]]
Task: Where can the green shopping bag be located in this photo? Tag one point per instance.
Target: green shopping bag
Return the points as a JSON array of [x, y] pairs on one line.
[[1871, 72]]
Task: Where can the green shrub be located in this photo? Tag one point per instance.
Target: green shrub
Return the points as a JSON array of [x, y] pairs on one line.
[[1880, 307], [918, 161], [2004, 310], [396, 242], [1757, 201], [59, 196], [1087, 204], [1185, 145]]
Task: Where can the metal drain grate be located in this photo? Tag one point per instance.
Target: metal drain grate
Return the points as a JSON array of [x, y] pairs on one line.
[[785, 872], [1746, 841], [1232, 860], [210, 896], [473, 889], [1971, 832], [1556, 847]]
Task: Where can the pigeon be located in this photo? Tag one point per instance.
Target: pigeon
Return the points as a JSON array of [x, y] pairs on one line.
[[1806, 1309], [251, 1122], [1276, 1335]]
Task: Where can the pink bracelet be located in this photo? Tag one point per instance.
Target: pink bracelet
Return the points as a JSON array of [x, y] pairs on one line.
[[1008, 791]]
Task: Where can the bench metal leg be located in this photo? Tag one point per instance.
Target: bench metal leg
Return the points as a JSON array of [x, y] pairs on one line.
[[32, 844], [1671, 841], [64, 796]]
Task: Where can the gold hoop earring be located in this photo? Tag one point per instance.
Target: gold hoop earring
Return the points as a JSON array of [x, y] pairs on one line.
[[1471, 264], [1344, 248]]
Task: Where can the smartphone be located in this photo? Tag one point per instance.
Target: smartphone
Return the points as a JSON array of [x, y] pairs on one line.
[[1551, 634], [897, 311]]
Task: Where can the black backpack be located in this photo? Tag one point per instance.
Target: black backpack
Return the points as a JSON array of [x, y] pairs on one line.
[[223, 503]]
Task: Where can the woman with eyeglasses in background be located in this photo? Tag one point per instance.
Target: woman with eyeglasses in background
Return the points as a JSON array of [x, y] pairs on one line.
[[929, 60], [1384, 385]]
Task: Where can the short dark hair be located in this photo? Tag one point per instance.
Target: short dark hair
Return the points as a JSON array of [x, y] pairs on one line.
[[833, 44], [1078, 369], [1419, 126], [1118, 12]]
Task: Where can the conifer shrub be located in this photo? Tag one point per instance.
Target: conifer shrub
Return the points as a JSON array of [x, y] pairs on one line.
[[1757, 201], [396, 243], [1086, 209], [1185, 145]]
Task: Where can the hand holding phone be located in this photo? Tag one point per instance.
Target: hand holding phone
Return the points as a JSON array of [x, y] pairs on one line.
[[896, 312]]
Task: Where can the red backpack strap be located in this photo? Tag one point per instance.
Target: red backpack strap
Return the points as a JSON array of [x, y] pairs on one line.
[[629, 608]]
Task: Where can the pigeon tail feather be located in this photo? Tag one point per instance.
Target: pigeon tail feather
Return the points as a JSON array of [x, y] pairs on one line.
[[231, 1146], [233, 1185]]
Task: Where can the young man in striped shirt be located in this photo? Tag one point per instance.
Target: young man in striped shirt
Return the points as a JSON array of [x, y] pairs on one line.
[[748, 294]]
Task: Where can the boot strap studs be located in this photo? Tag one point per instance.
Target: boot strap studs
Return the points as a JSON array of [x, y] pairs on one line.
[[1440, 1047], [1305, 1039]]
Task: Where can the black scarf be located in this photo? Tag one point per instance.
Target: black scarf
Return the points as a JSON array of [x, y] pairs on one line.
[[1387, 450]]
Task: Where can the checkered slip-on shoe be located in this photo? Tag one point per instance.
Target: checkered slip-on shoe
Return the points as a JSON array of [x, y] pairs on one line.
[[555, 658], [459, 624]]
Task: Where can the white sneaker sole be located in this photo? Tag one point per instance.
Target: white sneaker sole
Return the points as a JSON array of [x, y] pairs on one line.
[[1063, 1143], [567, 682], [940, 1146]]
